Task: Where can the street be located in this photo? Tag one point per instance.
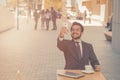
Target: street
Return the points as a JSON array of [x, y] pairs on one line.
[[35, 55]]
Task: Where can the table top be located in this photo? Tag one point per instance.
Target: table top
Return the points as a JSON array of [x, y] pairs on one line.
[[90, 76]]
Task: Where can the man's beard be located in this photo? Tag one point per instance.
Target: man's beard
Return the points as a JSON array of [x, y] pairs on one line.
[[75, 38]]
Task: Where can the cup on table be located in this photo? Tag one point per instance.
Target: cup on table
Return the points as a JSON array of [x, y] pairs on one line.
[[88, 68]]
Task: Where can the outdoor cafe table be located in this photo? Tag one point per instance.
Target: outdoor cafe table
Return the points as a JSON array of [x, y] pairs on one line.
[[90, 76]]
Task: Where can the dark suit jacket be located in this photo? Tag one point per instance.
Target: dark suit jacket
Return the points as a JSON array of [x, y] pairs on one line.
[[71, 59]]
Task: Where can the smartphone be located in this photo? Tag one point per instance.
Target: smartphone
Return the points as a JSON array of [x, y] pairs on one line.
[[65, 24], [66, 29]]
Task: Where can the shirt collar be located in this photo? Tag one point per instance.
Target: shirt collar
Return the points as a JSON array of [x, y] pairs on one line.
[[78, 41]]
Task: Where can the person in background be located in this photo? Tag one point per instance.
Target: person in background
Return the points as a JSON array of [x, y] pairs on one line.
[[54, 17], [47, 16], [109, 23], [90, 14], [36, 18], [42, 19], [84, 16]]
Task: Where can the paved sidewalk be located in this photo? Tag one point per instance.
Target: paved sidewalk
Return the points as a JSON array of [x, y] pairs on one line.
[[35, 55]]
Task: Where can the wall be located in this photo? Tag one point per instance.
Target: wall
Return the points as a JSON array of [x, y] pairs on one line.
[[95, 7], [6, 19], [108, 10]]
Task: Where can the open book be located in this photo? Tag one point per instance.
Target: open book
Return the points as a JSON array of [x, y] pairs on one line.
[[71, 74]]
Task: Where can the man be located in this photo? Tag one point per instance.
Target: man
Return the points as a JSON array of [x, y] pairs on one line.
[[47, 16], [54, 17], [84, 16], [77, 57], [36, 18], [42, 15]]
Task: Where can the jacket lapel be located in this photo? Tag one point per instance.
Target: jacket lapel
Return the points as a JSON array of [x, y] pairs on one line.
[[83, 49]]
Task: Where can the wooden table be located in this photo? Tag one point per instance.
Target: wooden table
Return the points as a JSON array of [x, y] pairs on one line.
[[92, 76]]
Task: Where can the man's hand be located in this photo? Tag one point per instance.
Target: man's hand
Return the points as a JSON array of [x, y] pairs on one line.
[[97, 68], [63, 31]]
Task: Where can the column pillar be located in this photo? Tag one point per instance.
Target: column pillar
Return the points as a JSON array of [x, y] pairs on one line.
[[116, 26]]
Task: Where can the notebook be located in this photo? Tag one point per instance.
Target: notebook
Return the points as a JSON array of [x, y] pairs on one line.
[[71, 74]]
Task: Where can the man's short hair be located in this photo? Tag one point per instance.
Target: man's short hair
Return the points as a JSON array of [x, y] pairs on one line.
[[76, 23]]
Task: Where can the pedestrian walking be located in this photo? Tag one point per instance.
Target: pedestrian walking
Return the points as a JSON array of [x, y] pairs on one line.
[[84, 16], [54, 17], [36, 18], [47, 16], [42, 19]]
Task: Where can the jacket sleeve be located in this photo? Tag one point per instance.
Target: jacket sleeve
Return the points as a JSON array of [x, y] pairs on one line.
[[93, 58], [62, 45]]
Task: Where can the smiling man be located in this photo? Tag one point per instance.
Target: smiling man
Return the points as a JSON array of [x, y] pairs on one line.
[[77, 53]]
